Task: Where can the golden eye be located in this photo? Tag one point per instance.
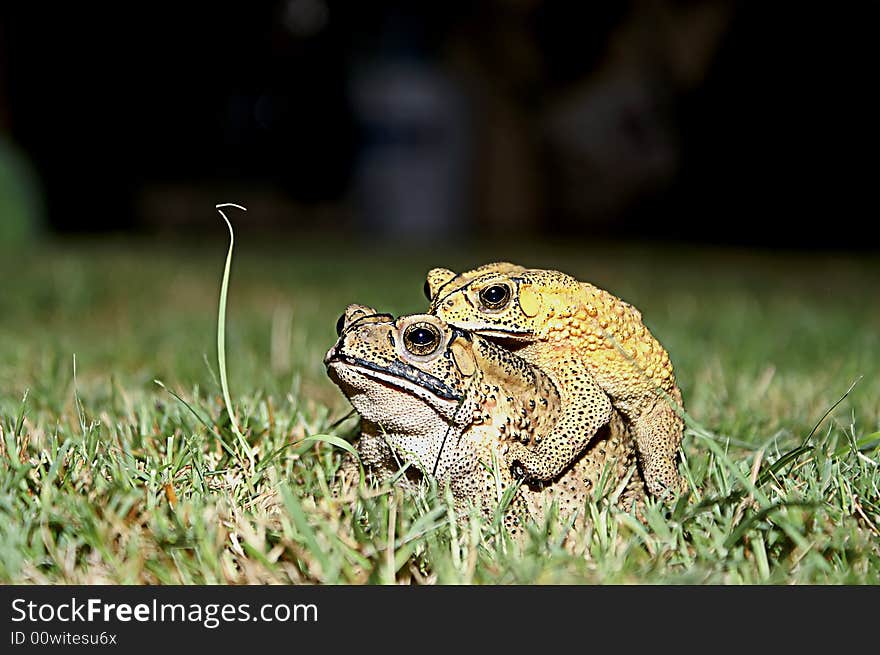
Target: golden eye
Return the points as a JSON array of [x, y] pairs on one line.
[[495, 296], [421, 339]]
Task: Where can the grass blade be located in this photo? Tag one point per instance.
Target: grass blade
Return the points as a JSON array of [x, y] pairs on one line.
[[221, 338], [20, 420], [334, 441]]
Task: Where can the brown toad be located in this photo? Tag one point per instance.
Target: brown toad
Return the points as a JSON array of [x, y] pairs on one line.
[[594, 346], [451, 404]]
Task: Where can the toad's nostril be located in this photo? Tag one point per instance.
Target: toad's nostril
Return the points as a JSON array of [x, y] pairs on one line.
[[340, 324], [427, 290]]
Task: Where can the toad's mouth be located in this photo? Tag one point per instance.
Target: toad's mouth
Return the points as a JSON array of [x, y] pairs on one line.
[[400, 376], [512, 341]]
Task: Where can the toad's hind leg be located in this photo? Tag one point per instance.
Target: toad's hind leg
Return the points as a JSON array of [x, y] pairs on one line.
[[586, 408], [658, 438]]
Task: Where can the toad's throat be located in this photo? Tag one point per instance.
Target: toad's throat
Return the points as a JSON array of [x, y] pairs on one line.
[[402, 371]]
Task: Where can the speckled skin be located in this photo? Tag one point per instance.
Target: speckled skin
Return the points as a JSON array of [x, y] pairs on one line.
[[455, 413], [594, 346]]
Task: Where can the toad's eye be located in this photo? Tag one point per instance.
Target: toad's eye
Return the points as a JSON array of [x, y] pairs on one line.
[[427, 290], [340, 325], [421, 339], [496, 296]]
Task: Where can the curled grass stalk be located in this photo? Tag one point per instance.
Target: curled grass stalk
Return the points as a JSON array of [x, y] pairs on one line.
[[221, 339]]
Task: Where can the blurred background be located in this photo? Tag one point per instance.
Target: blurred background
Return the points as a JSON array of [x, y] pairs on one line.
[[704, 121]]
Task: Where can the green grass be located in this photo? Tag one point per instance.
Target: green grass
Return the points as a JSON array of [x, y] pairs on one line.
[[109, 477]]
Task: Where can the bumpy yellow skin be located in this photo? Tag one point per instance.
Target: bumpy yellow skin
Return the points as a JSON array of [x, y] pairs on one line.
[[595, 347]]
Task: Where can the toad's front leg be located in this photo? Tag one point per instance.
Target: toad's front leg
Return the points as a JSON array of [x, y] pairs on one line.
[[585, 409]]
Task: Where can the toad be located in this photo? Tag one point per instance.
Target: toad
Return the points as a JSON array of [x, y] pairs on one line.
[[452, 404], [593, 345]]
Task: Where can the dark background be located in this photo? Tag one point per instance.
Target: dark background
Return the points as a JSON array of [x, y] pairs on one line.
[[706, 121]]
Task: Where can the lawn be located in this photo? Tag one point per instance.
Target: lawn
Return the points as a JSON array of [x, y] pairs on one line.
[[108, 477]]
